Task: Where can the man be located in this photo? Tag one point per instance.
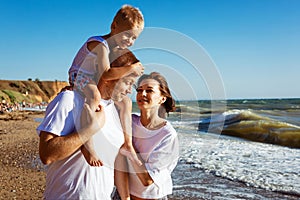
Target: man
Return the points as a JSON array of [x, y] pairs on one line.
[[69, 176]]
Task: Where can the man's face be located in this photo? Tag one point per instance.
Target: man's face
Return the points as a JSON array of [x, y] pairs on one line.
[[123, 87]]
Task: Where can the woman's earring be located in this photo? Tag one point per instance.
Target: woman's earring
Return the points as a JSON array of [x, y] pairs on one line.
[[163, 100]]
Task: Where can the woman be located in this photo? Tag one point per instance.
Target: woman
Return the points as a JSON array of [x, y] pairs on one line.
[[154, 139]]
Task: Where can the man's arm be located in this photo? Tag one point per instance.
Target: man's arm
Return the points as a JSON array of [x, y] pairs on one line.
[[53, 148]]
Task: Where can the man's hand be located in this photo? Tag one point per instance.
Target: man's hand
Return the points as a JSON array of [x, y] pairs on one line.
[[95, 120]]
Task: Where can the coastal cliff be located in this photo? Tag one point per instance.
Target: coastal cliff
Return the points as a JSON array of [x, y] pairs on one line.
[[30, 91]]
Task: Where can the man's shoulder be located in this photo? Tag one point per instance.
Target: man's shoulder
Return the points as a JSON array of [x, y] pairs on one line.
[[64, 99], [64, 96]]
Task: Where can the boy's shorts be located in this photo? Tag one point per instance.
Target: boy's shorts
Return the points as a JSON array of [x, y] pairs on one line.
[[80, 80], [72, 78]]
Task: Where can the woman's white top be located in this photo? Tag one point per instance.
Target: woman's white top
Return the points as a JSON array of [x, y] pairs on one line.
[[159, 149]]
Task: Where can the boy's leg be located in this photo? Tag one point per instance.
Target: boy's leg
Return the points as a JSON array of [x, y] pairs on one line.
[[128, 150], [93, 98], [125, 107], [121, 177], [85, 84], [90, 155]]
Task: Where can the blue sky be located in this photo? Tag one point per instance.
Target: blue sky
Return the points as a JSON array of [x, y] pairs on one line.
[[254, 45]]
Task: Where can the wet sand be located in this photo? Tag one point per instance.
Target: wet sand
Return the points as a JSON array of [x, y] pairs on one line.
[[195, 184], [19, 177]]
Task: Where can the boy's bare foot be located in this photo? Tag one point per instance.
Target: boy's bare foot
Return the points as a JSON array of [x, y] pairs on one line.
[[130, 153], [91, 158], [96, 163]]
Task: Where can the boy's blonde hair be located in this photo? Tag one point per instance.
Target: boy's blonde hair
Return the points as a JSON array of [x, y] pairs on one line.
[[130, 15]]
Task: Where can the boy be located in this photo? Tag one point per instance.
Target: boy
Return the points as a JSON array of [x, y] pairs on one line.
[[92, 63]]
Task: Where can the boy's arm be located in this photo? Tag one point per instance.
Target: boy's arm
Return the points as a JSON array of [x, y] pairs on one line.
[[102, 53], [104, 69], [119, 72]]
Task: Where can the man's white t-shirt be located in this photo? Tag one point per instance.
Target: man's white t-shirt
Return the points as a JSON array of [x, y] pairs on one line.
[[73, 177]]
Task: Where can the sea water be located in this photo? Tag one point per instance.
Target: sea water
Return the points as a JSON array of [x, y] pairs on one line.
[[261, 161]]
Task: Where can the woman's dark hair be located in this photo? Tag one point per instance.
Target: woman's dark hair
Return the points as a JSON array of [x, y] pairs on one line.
[[169, 104]]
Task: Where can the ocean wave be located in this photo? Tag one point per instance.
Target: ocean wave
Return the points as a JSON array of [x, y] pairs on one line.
[[249, 125]]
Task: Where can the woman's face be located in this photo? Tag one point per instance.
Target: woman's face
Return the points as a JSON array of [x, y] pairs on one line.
[[148, 94]]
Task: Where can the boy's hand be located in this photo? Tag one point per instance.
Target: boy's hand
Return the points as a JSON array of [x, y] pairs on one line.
[[138, 68]]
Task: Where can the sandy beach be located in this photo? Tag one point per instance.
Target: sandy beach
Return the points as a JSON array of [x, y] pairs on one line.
[[20, 178]]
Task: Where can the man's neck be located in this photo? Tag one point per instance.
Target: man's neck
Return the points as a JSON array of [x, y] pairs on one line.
[[104, 93]]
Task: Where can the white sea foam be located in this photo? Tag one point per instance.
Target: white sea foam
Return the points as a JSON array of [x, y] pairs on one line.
[[261, 165]]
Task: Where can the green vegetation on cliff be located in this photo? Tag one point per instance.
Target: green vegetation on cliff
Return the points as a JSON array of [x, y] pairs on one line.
[[30, 91]]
